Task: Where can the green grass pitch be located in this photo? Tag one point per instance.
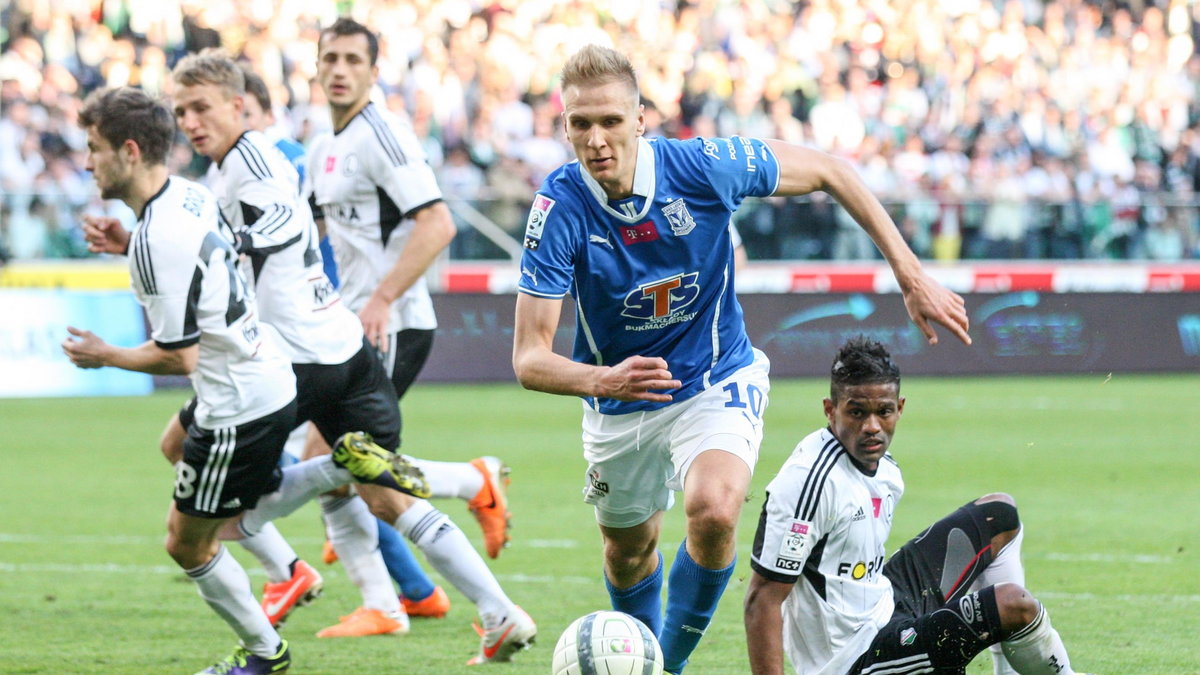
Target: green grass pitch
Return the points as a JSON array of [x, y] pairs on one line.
[[1105, 471]]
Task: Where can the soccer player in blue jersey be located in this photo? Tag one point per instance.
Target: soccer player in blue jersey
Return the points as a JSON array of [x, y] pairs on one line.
[[637, 231]]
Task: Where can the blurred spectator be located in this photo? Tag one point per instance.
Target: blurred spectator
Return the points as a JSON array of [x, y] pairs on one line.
[[1009, 128]]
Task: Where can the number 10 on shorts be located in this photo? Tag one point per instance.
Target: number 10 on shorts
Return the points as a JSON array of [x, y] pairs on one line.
[[752, 398]]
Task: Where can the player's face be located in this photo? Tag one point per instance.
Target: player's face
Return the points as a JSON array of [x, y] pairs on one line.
[[256, 118], [603, 124], [210, 118], [345, 71], [864, 420], [109, 166]]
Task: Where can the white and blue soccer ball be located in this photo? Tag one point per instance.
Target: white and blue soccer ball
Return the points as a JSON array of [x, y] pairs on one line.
[[607, 643]]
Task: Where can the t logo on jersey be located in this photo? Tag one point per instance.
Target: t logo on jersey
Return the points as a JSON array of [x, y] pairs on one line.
[[636, 234], [537, 221], [662, 298], [330, 163]]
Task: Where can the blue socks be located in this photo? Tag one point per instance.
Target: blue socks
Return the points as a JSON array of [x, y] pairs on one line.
[[643, 600], [692, 596], [402, 565]]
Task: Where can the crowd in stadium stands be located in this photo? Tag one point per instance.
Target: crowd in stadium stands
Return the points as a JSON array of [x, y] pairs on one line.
[[1003, 129]]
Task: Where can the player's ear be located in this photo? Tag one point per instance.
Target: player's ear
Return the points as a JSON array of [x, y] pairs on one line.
[[830, 406], [900, 406], [130, 150], [641, 120]]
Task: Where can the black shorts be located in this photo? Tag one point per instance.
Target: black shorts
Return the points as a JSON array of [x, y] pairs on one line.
[[224, 471], [931, 575], [409, 350], [351, 396]]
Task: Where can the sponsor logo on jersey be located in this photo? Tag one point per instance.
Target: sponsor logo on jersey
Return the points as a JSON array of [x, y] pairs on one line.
[[537, 221], [860, 569], [637, 234], [597, 239], [860, 515], [710, 149], [342, 214], [531, 273], [748, 148], [908, 636], [785, 564], [661, 303], [677, 215], [330, 163], [799, 527], [876, 502]]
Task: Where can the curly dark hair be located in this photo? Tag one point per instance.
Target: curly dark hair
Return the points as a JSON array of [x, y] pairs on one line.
[[862, 361]]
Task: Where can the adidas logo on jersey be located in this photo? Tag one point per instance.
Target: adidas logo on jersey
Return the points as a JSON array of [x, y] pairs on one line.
[[861, 515]]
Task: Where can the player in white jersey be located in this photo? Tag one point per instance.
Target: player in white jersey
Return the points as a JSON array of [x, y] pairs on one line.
[[342, 384], [204, 323], [371, 187], [638, 232], [821, 592], [420, 596]]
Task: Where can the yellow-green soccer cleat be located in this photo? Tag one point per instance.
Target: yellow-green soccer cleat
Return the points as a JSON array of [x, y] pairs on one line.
[[358, 453], [243, 662]]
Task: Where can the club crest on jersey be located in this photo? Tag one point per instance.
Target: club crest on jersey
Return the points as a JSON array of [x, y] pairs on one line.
[[350, 167], [537, 221], [661, 303], [677, 215]]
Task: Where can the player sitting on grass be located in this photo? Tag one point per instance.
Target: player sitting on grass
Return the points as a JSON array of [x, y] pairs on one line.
[[820, 589]]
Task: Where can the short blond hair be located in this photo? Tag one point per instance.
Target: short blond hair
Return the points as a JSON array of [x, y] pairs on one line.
[[211, 66], [596, 65]]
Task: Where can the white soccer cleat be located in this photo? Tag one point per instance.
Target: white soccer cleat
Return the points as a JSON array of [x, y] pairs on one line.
[[498, 644]]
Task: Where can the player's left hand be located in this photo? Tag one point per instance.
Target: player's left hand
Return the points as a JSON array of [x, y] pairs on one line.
[[374, 317], [85, 349], [926, 300], [105, 235]]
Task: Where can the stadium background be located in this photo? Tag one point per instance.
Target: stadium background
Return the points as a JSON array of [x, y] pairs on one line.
[[1042, 157]]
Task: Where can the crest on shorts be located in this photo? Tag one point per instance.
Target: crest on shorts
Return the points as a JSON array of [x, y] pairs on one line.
[[677, 215], [908, 636]]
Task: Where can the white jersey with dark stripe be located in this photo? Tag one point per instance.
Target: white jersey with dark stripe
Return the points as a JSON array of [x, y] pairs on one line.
[[368, 179], [184, 272], [259, 193], [823, 528]]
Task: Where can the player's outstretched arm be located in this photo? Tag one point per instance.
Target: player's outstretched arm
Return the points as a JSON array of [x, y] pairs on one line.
[[637, 378], [804, 170], [764, 624], [87, 350], [105, 235], [433, 229]]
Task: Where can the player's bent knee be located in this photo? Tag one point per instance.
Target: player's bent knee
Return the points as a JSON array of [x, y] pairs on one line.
[[1017, 607], [1000, 512]]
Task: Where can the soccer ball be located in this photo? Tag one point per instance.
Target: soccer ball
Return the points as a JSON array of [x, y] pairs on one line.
[[607, 643]]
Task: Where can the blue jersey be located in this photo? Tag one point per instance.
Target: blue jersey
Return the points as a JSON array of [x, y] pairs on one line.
[[652, 275]]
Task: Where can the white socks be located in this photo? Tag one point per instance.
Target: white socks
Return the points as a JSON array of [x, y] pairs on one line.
[[225, 587], [1037, 649], [301, 483], [355, 536], [448, 551], [272, 551], [454, 480]]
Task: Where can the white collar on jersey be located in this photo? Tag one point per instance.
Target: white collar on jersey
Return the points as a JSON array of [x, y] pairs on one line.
[[643, 183]]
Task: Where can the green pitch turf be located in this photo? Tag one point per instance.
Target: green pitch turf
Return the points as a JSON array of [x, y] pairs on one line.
[[1104, 470]]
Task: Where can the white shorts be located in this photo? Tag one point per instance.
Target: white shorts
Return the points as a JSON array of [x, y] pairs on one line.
[[637, 460]]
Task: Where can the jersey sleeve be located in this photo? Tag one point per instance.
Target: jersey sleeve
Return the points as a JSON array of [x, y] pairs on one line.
[[266, 201], [736, 167], [548, 261], [396, 163], [784, 539]]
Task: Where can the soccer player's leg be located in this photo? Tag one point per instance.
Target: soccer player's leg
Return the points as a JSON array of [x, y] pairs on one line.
[[943, 563], [205, 500], [350, 526], [482, 482], [626, 487], [714, 446]]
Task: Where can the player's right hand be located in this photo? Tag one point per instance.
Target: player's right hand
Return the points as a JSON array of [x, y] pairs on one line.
[[105, 235], [638, 378]]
